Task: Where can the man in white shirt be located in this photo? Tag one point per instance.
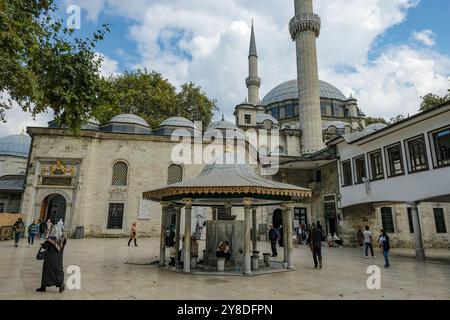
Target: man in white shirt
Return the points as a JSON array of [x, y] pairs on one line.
[[368, 242]]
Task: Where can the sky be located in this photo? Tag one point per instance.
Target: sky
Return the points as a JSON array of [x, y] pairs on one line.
[[386, 53]]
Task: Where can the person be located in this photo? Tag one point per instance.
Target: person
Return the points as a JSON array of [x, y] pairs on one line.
[[42, 229], [223, 251], [330, 240], [18, 229], [194, 247], [385, 246], [49, 226], [337, 240], [197, 231], [360, 238], [33, 229], [61, 224], [315, 242], [368, 242], [173, 255], [299, 235], [319, 226], [273, 237], [133, 234], [280, 235], [53, 270], [167, 236]]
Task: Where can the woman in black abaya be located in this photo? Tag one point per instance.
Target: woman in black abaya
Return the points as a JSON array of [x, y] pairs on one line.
[[53, 271]]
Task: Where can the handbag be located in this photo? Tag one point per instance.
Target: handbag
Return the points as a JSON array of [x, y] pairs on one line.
[[41, 253]]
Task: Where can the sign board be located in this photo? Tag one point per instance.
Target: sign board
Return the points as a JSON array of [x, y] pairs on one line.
[[144, 210]]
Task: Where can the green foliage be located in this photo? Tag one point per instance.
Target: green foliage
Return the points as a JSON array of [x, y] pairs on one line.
[[432, 100], [398, 118], [42, 68], [155, 99], [370, 120]]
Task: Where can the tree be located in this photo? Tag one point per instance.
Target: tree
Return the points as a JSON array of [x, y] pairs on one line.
[[155, 99], [396, 119], [192, 103], [370, 120], [432, 100], [43, 67]]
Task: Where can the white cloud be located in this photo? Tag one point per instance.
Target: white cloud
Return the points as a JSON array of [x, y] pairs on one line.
[[427, 37], [109, 66], [213, 37], [17, 121]]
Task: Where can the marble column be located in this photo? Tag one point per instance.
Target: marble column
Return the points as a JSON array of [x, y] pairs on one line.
[[420, 252], [162, 240], [288, 245], [255, 240], [247, 224], [178, 230], [187, 236]]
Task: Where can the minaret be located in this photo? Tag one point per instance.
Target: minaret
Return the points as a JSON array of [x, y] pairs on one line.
[[253, 81], [304, 29]]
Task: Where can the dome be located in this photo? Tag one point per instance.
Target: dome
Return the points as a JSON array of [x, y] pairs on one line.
[[336, 124], [222, 125], [289, 90], [260, 118], [177, 122], [375, 127], [15, 145], [129, 119]]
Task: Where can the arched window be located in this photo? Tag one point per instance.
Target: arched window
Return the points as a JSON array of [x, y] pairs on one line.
[[120, 174], [175, 174]]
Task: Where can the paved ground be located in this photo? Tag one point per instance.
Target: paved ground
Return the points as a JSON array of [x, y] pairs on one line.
[[111, 270]]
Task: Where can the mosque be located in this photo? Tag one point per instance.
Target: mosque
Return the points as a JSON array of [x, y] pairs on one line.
[[97, 179]]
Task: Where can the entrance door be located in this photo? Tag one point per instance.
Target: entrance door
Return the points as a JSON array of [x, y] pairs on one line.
[[331, 225], [55, 208]]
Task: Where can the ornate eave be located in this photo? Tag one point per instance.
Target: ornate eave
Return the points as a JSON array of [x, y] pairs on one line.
[[211, 192]]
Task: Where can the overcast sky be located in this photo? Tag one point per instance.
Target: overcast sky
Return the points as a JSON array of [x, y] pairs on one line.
[[387, 53]]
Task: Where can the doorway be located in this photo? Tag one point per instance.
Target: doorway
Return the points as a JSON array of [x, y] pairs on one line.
[[54, 208], [331, 226], [277, 220]]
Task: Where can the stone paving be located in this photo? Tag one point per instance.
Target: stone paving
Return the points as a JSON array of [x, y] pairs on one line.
[[111, 270]]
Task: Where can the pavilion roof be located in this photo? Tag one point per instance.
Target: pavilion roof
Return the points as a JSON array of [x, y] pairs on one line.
[[218, 181]]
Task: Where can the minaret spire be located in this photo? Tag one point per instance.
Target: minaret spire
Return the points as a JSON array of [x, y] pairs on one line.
[[253, 81], [304, 29]]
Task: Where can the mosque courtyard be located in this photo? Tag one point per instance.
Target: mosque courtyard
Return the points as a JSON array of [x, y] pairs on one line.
[[112, 270]]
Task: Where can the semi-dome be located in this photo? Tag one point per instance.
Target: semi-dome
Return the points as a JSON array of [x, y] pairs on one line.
[[336, 124], [177, 122], [15, 145], [260, 118], [289, 90], [129, 119]]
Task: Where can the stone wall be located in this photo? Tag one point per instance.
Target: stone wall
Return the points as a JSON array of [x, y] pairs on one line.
[[359, 216]]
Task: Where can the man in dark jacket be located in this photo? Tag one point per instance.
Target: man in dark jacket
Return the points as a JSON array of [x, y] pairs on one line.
[[273, 237], [315, 242]]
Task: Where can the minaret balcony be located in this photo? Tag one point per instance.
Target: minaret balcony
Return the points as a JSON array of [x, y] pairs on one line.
[[304, 22], [253, 81]]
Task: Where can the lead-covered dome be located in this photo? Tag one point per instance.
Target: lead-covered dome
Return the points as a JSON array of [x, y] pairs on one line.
[[289, 90], [177, 122], [15, 145], [129, 119]]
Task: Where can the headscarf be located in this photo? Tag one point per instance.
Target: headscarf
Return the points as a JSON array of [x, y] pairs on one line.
[[56, 237]]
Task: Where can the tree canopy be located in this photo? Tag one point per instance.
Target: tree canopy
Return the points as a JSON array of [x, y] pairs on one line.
[[432, 100], [150, 96], [43, 67]]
